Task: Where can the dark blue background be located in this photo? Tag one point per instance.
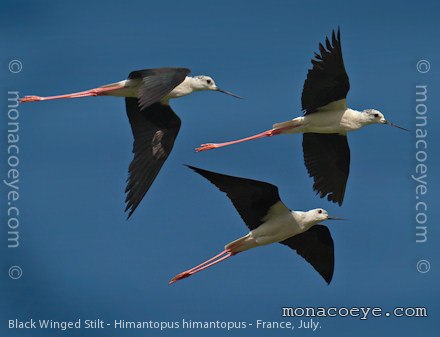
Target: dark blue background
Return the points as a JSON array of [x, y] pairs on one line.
[[82, 259]]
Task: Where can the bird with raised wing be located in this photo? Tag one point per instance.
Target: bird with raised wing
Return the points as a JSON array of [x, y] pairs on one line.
[[325, 123], [154, 124], [270, 221]]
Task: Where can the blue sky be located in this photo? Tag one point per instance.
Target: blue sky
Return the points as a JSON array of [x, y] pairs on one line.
[[81, 258]]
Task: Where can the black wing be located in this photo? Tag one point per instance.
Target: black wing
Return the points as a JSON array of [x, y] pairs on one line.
[[327, 158], [154, 130], [316, 247], [157, 83], [251, 198], [327, 81]]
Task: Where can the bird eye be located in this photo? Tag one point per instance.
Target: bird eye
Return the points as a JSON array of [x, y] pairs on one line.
[[376, 115], [320, 211], [208, 81]]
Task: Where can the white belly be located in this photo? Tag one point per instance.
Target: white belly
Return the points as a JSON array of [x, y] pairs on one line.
[[340, 122], [276, 230], [130, 88]]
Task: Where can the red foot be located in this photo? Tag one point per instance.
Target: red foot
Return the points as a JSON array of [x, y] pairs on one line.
[[26, 99], [206, 147], [179, 277]]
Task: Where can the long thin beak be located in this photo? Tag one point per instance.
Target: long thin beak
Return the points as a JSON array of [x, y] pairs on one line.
[[396, 126], [335, 218], [228, 93]]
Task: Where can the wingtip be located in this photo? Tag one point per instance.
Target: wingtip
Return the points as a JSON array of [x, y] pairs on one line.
[[329, 278], [202, 172], [192, 167], [130, 211], [337, 200], [331, 196]]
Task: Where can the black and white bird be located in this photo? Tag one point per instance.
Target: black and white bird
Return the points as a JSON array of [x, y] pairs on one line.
[[325, 123], [270, 221], [154, 124]]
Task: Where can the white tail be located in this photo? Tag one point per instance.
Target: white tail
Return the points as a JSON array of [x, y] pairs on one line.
[[294, 123], [240, 245]]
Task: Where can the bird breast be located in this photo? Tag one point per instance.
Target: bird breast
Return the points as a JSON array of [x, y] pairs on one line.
[[276, 230], [352, 120], [182, 89]]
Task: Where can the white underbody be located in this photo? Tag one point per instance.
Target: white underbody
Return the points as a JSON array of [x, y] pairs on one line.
[[333, 118], [130, 88], [281, 224]]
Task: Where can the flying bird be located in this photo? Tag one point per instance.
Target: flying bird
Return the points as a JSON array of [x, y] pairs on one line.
[[154, 124], [270, 221], [325, 123]]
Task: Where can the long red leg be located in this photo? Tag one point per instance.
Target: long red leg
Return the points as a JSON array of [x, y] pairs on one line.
[[268, 133], [207, 261], [92, 92], [212, 261]]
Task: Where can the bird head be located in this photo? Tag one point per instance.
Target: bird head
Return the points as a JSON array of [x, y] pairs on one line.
[[312, 217], [317, 215], [376, 117], [203, 82]]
